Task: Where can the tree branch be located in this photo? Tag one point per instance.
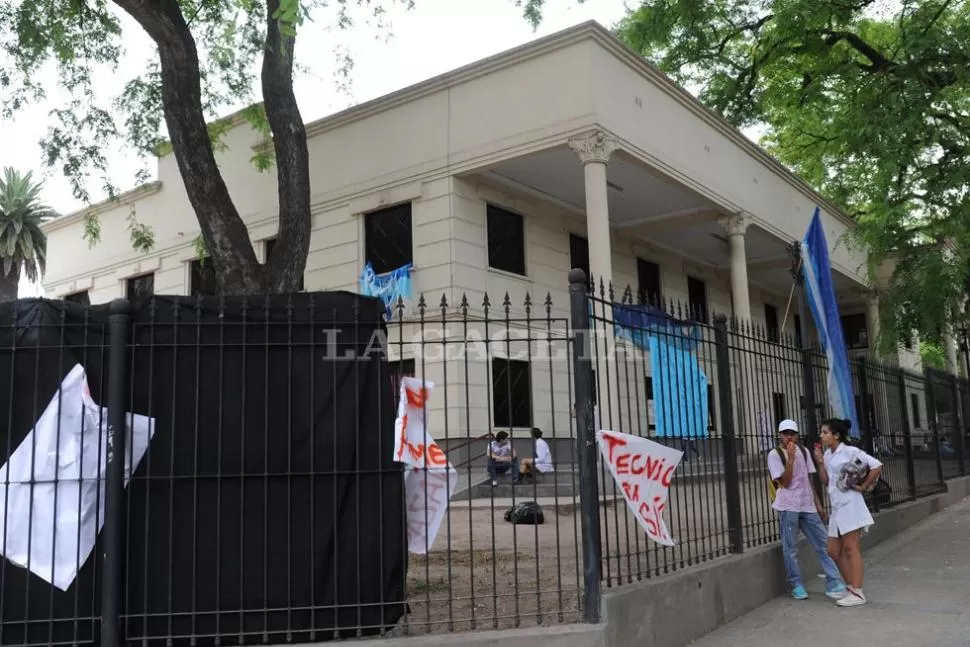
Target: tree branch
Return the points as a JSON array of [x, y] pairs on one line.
[[879, 62], [292, 156], [225, 233]]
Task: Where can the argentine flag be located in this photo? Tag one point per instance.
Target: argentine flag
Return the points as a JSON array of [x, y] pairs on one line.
[[820, 294]]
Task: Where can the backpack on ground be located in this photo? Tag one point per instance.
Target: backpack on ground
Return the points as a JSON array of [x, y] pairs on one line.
[[773, 483], [526, 513]]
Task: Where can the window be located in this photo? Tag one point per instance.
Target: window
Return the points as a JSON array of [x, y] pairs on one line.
[[909, 343], [511, 393], [506, 240], [697, 299], [579, 254], [140, 287], [203, 280], [917, 422], [397, 370], [81, 298], [854, 328], [648, 282], [269, 244], [779, 407], [798, 331], [387, 238], [771, 323]]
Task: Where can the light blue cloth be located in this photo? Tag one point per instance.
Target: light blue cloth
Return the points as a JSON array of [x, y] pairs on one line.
[[679, 389], [820, 294], [679, 385], [389, 288]]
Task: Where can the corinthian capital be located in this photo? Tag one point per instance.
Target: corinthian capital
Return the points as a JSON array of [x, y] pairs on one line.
[[736, 224], [595, 147]]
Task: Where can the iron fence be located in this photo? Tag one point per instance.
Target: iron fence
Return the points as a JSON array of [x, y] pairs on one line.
[[263, 503]]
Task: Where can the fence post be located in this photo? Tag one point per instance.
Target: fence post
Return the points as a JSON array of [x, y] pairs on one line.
[[586, 445], [958, 426], [868, 442], [119, 320], [907, 437], [934, 425], [732, 481]]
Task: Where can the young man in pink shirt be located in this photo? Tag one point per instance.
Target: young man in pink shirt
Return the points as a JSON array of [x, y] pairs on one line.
[[791, 467]]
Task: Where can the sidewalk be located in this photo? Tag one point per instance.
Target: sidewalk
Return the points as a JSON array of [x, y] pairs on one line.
[[918, 585]]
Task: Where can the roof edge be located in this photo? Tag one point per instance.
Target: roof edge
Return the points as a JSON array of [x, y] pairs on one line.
[[127, 197]]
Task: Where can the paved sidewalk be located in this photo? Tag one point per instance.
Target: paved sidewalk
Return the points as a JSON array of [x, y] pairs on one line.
[[918, 586]]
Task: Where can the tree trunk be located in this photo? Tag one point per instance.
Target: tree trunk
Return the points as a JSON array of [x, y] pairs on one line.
[[286, 267], [225, 233], [10, 285]]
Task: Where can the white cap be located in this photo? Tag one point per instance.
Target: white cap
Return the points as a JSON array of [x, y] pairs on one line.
[[788, 425]]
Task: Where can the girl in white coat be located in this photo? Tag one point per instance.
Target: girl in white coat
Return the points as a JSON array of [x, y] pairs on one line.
[[850, 516]]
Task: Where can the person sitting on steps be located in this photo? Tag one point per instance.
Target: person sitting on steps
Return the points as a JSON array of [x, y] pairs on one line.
[[502, 458], [542, 461]]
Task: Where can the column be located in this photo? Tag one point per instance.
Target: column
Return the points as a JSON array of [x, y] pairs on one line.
[[735, 227], [871, 295], [746, 396], [594, 151]]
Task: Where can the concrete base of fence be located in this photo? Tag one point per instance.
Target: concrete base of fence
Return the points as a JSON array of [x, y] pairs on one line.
[[550, 636], [674, 610]]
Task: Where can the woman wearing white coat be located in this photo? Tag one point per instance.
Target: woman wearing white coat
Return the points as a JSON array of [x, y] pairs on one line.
[[850, 516]]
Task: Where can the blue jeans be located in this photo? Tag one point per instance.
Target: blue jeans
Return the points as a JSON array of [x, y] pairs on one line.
[[810, 524]]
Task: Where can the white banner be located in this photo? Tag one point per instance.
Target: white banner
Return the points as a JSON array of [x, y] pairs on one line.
[[57, 481], [430, 479], [643, 470]]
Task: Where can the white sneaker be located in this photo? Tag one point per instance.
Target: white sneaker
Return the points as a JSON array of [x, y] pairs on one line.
[[853, 598]]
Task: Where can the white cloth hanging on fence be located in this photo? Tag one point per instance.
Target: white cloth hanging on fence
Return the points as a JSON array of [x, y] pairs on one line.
[[52, 487]]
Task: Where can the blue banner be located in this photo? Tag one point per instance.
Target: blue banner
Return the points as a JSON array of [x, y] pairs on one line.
[[679, 385], [389, 288], [820, 294]]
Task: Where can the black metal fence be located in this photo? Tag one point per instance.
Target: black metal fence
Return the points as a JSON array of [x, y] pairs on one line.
[[511, 366]]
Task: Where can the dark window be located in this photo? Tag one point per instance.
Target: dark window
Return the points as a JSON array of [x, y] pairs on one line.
[[397, 370], [579, 254], [870, 412], [697, 299], [779, 407], [204, 278], [648, 282], [387, 238], [711, 408], [80, 298], [771, 323], [909, 343], [854, 328], [511, 393], [506, 240], [270, 244], [917, 422], [798, 331], [140, 287]]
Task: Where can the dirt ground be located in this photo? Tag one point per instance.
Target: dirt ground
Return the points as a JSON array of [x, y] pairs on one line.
[[485, 573]]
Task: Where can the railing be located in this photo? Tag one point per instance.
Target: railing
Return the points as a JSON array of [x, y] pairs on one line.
[[266, 504]]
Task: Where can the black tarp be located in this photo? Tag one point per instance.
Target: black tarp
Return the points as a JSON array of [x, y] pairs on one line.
[[268, 506]]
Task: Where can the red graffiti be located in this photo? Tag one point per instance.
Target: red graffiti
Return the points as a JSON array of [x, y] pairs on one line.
[[653, 517]]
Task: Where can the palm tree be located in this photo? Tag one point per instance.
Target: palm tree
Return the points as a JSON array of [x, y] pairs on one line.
[[23, 246]]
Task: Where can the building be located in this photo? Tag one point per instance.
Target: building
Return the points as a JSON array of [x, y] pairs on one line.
[[497, 178]]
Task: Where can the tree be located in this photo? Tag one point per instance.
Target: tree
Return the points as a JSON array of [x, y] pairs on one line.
[[23, 246], [869, 104], [206, 51]]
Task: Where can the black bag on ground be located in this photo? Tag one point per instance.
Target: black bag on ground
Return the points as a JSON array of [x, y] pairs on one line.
[[527, 512]]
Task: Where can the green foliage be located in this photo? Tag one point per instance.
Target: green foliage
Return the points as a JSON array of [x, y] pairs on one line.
[[869, 102], [22, 243], [201, 251], [78, 40], [932, 355]]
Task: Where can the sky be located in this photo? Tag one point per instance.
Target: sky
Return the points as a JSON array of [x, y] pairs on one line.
[[432, 38]]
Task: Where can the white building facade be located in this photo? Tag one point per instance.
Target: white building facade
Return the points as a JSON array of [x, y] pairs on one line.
[[496, 179]]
